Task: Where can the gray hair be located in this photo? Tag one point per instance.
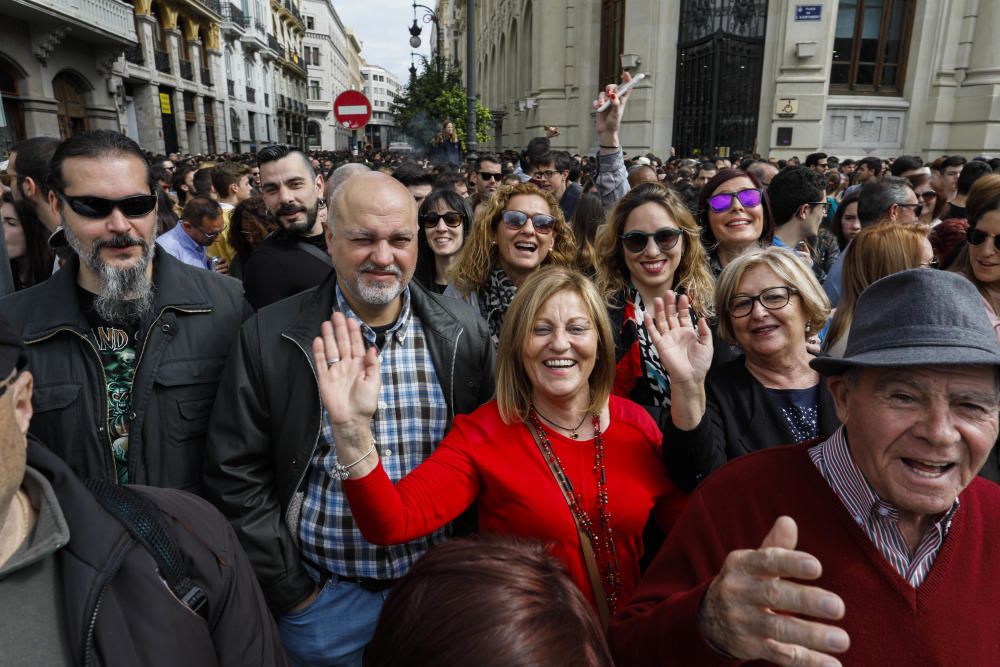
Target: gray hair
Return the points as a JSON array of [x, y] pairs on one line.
[[339, 175], [876, 198]]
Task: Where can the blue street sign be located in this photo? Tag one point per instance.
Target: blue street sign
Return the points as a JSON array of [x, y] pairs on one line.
[[808, 12]]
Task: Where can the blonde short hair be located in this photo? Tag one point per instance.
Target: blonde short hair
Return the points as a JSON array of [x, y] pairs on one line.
[[513, 385], [789, 268]]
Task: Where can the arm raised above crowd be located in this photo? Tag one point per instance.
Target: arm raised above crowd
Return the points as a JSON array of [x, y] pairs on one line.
[[611, 178], [240, 475]]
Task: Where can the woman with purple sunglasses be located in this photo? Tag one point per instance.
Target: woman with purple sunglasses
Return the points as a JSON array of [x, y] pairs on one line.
[[735, 216]]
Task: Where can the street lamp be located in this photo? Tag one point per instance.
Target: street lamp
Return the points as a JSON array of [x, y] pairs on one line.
[[415, 29]]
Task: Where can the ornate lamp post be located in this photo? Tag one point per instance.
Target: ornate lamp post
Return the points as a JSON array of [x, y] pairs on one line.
[[415, 30]]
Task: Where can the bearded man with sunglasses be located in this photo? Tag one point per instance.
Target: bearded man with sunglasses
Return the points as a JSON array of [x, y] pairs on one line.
[[126, 344]]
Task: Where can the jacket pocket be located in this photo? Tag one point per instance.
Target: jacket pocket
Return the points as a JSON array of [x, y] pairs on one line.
[[185, 396], [57, 410]]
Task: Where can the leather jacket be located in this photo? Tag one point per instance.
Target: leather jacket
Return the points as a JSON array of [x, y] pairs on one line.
[[195, 316], [265, 426]]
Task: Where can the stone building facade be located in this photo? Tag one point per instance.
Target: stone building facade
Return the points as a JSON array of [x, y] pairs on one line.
[[332, 56], [382, 89], [778, 77]]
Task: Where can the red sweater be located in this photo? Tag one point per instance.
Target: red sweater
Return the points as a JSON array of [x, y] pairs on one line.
[[483, 459], [953, 618]]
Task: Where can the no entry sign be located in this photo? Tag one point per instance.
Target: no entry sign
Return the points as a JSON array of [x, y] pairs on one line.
[[352, 109]]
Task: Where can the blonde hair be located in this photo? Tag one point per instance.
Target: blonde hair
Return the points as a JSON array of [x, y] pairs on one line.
[[692, 273], [878, 251], [792, 270], [479, 253], [513, 389]]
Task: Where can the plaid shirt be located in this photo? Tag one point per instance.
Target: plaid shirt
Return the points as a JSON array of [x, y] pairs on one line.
[[411, 420], [877, 518]]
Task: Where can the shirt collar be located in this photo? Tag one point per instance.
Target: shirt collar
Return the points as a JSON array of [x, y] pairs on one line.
[[861, 500], [397, 331], [186, 241]]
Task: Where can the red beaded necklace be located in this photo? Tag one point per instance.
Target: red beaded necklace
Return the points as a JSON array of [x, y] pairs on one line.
[[604, 544]]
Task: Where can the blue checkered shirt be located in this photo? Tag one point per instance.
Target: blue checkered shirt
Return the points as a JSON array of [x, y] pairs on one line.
[[410, 421]]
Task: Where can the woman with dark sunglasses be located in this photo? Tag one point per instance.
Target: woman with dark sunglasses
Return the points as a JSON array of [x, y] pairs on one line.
[[980, 260], [521, 229], [649, 245], [444, 219], [735, 216]]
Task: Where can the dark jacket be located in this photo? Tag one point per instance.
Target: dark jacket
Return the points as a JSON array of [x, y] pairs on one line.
[[266, 423], [739, 418], [196, 314], [282, 266], [119, 611]]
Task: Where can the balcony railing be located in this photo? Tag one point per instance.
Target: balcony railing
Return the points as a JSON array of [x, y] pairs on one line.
[[109, 17], [212, 5], [274, 44], [231, 87], [206, 77], [133, 54], [187, 71], [251, 94], [162, 61]]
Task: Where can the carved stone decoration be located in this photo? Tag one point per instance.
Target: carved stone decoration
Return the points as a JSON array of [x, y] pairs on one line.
[[143, 7], [42, 45], [190, 29], [213, 38], [168, 17]]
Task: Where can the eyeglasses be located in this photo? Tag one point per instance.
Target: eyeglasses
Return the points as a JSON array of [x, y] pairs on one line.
[[917, 208], [977, 236], [723, 201], [451, 218], [543, 224], [207, 235], [548, 173], [489, 176], [135, 206], [928, 196], [773, 298], [665, 238], [824, 204]]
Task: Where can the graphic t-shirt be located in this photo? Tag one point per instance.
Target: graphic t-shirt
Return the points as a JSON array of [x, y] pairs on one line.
[[117, 344]]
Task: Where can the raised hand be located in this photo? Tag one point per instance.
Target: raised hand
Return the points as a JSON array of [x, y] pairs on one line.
[[746, 610], [685, 350], [607, 122], [348, 374]]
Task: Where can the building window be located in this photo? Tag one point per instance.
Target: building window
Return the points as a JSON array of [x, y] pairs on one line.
[[314, 89], [870, 46], [612, 39], [310, 24]]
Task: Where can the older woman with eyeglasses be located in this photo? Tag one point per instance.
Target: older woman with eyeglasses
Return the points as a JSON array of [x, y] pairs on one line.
[[649, 244], [521, 229], [769, 303], [980, 261], [735, 216]]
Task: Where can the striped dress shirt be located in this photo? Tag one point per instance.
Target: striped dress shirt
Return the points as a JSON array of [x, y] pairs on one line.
[[877, 518]]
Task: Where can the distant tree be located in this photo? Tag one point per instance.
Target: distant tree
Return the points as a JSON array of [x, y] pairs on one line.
[[435, 94]]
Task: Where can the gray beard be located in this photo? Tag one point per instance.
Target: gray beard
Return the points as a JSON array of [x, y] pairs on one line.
[[378, 295], [126, 294]]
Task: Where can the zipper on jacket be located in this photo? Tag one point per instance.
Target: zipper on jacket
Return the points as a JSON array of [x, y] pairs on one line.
[[116, 562], [106, 456], [312, 452], [454, 358]]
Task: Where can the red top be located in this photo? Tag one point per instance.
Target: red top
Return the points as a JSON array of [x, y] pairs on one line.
[[951, 619], [483, 459]]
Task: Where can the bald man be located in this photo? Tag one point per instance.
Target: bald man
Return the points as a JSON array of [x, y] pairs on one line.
[[271, 455]]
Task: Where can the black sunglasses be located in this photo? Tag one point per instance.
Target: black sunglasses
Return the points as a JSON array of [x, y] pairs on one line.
[[135, 206], [489, 176], [430, 220], [977, 236], [543, 224], [917, 208], [665, 238]]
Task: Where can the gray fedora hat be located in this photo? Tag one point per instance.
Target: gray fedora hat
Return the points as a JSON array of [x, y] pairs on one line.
[[918, 317]]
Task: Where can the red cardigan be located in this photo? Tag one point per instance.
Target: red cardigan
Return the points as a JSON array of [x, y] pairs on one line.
[[952, 619], [483, 459]]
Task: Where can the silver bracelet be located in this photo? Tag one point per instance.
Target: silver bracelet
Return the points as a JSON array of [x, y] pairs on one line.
[[343, 472]]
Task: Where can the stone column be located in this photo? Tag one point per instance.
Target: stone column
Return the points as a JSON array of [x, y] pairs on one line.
[[179, 122], [976, 124], [146, 97]]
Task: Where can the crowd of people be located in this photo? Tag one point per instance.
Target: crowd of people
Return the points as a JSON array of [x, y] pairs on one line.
[[533, 408]]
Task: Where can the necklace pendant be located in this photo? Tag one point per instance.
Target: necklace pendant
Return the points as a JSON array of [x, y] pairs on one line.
[[574, 435]]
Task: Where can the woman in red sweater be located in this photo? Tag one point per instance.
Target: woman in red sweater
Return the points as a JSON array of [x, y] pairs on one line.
[[555, 371]]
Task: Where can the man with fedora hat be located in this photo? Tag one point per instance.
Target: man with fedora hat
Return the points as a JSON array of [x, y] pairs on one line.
[[877, 545]]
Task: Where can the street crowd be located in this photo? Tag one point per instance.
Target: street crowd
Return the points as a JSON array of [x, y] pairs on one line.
[[532, 408]]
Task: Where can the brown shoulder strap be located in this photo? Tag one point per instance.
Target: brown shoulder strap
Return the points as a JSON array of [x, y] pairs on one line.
[[585, 545]]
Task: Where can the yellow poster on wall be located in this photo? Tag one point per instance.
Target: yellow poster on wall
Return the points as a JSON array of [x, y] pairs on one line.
[[165, 103]]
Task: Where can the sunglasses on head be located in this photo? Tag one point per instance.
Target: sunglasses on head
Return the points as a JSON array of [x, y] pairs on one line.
[[977, 236], [489, 176], [543, 224], [135, 206], [722, 202], [451, 218], [665, 238]]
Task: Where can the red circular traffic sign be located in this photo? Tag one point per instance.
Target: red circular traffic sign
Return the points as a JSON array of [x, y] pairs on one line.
[[352, 109]]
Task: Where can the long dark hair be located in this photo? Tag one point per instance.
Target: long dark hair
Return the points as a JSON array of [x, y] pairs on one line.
[[425, 271], [37, 255], [836, 225], [767, 230]]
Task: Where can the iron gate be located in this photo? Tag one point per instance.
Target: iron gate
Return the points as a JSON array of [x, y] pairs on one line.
[[720, 53]]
